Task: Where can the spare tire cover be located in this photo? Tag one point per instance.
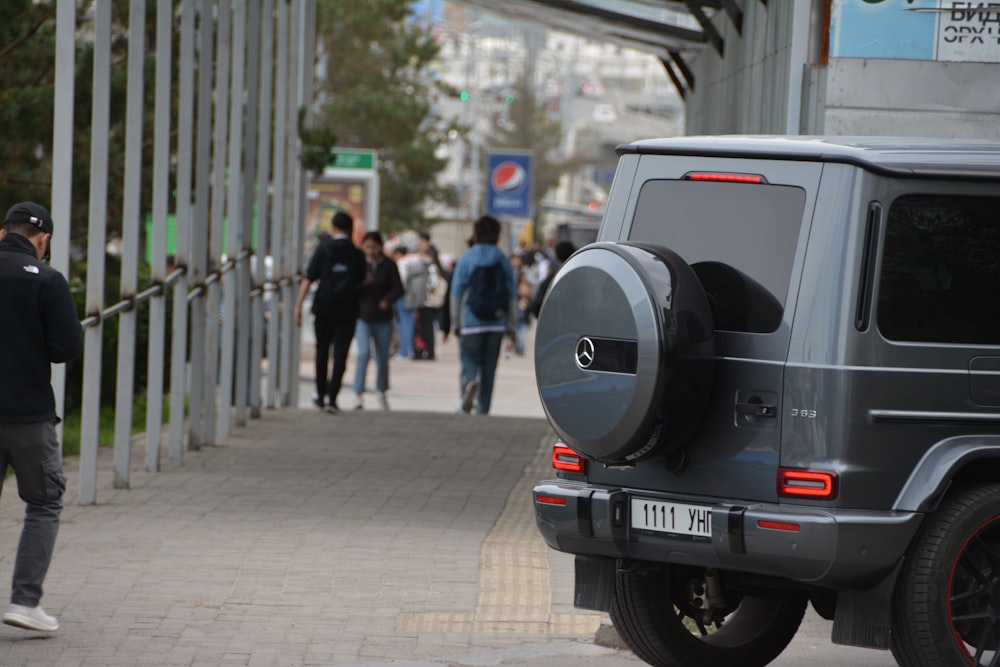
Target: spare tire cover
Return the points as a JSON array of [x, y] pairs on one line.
[[611, 325]]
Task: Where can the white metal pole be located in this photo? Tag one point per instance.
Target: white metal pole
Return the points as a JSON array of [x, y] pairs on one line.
[[199, 233], [161, 196], [279, 218], [248, 348], [185, 135], [222, 68], [235, 217], [62, 162], [96, 241], [290, 199], [266, 222], [131, 212]]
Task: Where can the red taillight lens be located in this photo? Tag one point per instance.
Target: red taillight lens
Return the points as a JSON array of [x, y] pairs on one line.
[[565, 459], [723, 177], [551, 500], [807, 484], [779, 525]]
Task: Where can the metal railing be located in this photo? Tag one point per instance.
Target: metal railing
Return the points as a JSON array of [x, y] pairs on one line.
[[244, 67]]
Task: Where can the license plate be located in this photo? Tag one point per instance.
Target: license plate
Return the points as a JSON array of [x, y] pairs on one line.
[[676, 518]]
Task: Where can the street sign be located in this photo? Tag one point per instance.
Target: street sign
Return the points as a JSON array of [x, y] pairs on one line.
[[341, 158]]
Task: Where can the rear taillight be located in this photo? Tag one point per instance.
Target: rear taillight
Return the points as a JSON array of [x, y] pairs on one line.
[[814, 484], [565, 459], [723, 177], [551, 500]]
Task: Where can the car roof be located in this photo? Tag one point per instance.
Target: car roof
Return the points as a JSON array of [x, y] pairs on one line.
[[894, 156]]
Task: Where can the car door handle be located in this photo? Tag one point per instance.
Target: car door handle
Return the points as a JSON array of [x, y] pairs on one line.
[[756, 409]]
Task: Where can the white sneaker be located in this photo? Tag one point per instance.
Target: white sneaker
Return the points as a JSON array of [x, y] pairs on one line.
[[469, 395], [30, 618], [383, 400]]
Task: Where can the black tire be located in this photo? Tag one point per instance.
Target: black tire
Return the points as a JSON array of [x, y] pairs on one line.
[[652, 624], [946, 606], [624, 351]]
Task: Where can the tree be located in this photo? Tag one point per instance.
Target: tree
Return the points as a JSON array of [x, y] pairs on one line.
[[378, 92], [522, 123], [27, 77], [27, 71]]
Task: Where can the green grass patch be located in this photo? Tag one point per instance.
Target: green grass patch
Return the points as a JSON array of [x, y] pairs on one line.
[[106, 425]]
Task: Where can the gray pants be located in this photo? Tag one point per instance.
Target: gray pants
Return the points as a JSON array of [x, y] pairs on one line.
[[32, 450]]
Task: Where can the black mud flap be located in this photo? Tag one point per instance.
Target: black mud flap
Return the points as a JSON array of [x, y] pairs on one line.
[[864, 618], [595, 583]]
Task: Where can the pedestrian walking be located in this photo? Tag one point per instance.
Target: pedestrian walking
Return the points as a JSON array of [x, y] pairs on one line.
[[379, 292], [40, 327], [563, 250], [436, 289], [339, 266], [414, 275], [482, 312], [524, 315]]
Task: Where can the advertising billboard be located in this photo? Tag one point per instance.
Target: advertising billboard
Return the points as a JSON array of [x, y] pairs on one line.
[[942, 30], [508, 183]]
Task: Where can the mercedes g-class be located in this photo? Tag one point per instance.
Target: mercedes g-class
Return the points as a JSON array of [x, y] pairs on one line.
[[776, 381]]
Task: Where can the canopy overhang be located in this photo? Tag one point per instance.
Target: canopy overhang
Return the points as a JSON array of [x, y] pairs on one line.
[[673, 31]]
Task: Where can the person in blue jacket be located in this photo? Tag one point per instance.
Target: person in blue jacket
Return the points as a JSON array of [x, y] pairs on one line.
[[483, 311]]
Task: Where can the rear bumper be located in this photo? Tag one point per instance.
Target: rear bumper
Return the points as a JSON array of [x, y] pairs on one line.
[[834, 548]]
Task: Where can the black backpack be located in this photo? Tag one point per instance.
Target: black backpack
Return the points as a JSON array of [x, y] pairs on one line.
[[488, 295], [339, 276], [339, 286]]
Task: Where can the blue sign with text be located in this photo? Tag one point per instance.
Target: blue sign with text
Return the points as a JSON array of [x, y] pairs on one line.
[[508, 184]]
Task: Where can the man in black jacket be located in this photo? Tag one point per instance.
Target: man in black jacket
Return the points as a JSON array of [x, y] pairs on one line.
[[38, 327], [339, 266]]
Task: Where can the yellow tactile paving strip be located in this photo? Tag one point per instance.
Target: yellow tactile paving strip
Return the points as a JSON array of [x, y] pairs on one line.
[[515, 594]]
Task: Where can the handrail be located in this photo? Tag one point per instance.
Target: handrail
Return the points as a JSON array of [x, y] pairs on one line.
[[158, 288]]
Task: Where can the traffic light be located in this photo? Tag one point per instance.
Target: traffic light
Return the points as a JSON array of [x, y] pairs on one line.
[[464, 96], [508, 98]]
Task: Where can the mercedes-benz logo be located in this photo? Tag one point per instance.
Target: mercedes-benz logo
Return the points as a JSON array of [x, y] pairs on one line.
[[584, 353]]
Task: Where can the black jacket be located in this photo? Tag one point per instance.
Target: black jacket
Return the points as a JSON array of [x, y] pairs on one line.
[[339, 266], [38, 327], [385, 285]]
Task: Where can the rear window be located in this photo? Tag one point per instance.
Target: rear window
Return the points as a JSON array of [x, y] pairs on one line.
[[739, 238], [940, 271]]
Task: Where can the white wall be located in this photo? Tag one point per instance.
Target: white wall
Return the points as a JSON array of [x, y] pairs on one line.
[[912, 98]]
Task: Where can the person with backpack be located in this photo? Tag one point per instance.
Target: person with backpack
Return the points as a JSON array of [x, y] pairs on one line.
[[340, 268], [482, 312]]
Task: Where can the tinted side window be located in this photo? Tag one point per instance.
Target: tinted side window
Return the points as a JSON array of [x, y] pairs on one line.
[[739, 238], [940, 270]]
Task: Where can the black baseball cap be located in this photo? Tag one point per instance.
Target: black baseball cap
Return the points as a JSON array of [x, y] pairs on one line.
[[31, 213]]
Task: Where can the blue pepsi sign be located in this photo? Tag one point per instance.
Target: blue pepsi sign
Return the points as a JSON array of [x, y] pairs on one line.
[[508, 183]]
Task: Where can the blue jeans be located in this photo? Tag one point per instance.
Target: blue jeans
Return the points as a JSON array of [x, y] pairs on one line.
[[522, 337], [381, 333], [407, 318], [479, 353]]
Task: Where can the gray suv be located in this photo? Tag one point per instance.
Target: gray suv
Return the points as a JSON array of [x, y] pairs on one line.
[[776, 381]]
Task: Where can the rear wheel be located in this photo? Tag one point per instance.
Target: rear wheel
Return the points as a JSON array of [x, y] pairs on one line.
[[661, 615], [946, 608]]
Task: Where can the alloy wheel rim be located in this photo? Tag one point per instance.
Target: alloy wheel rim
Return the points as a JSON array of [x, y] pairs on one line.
[[974, 597]]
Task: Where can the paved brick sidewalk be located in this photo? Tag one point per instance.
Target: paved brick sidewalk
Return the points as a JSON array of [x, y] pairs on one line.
[[308, 539]]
